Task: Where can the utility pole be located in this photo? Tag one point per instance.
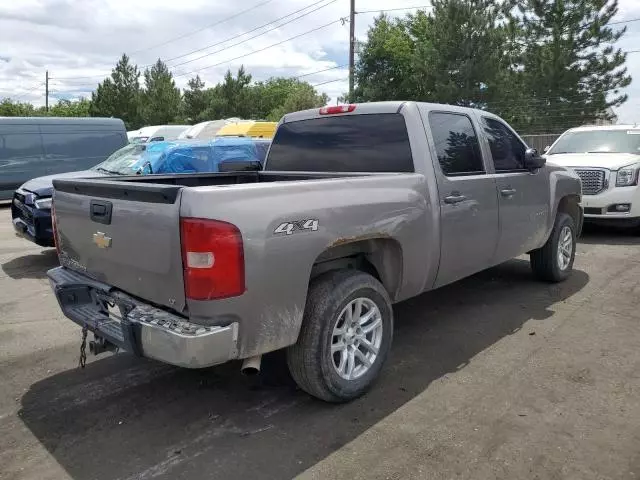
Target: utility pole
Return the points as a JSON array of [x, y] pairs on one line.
[[46, 91], [352, 46]]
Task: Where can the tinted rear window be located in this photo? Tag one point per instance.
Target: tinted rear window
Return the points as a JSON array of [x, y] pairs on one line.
[[349, 143], [456, 144]]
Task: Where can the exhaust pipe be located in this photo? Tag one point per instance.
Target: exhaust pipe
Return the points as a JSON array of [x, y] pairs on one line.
[[251, 366]]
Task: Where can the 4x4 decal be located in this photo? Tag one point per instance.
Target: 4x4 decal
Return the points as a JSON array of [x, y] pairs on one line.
[[289, 228]]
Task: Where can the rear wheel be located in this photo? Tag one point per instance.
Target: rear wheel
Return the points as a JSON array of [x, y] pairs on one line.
[[554, 261], [345, 336]]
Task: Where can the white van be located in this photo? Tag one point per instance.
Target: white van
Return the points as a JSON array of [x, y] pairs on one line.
[[156, 133]]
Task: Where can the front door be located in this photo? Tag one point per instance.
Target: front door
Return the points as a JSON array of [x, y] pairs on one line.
[[468, 204], [523, 195]]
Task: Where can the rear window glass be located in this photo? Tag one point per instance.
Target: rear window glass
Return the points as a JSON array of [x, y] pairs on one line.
[[456, 144], [349, 143]]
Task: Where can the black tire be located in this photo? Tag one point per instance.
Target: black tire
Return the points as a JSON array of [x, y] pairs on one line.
[[310, 360], [545, 262]]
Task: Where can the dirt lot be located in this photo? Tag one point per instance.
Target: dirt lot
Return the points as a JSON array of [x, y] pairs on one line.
[[494, 377]]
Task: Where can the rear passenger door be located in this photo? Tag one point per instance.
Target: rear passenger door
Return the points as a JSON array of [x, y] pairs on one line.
[[468, 204], [523, 195]]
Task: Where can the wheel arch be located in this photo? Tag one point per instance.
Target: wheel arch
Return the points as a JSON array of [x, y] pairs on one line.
[[380, 257], [570, 204]]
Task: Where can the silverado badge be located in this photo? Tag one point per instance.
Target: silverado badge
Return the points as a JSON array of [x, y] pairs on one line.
[[101, 240]]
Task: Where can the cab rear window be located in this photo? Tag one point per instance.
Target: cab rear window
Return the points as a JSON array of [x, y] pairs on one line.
[[347, 143]]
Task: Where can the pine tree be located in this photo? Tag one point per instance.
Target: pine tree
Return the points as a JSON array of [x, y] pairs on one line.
[[119, 95], [194, 100], [572, 73], [161, 97]]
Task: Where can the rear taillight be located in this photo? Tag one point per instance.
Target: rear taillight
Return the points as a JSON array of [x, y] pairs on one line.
[[337, 109], [212, 258], [56, 240]]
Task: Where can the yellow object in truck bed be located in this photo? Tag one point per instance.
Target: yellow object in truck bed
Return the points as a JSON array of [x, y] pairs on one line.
[[249, 129]]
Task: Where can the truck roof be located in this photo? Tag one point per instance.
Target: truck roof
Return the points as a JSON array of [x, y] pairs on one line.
[[380, 107], [60, 121]]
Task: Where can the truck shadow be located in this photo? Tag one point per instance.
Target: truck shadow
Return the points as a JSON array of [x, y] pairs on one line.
[[128, 418], [602, 235], [31, 266]]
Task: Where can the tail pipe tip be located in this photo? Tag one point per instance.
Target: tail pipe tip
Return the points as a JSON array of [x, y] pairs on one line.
[[251, 366]]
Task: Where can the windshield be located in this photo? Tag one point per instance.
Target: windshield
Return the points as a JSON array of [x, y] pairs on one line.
[[598, 141], [130, 159]]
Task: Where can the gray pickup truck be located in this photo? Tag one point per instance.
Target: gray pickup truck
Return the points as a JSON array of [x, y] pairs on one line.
[[357, 207]]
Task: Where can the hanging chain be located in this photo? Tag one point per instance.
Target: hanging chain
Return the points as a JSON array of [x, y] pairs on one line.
[[83, 347]]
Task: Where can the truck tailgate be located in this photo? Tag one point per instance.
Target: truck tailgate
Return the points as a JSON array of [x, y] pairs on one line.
[[123, 234]]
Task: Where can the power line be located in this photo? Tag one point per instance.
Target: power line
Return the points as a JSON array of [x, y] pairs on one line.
[[384, 10], [259, 50], [330, 81], [245, 40], [320, 71], [233, 37], [623, 21], [25, 94], [297, 77], [205, 27], [254, 29]]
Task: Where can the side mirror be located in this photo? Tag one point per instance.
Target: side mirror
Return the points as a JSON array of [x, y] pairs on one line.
[[533, 160], [546, 149]]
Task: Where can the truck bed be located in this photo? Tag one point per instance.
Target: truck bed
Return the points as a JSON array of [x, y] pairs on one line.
[[165, 188]]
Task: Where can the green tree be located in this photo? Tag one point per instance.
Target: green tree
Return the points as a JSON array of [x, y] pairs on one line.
[[458, 51], [451, 55], [571, 70], [119, 95], [194, 100], [300, 96], [278, 95], [69, 108], [10, 108], [384, 70], [160, 98]]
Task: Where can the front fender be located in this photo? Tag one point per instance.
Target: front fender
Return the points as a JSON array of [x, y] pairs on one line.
[[563, 183]]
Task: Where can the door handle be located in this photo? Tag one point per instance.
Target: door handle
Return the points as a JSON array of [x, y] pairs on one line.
[[508, 192], [455, 197]]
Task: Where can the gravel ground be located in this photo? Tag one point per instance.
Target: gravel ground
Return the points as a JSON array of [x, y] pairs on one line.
[[497, 376]]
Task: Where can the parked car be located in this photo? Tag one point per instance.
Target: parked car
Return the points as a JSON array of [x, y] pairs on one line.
[[249, 128], [206, 130], [35, 146], [358, 206], [156, 133], [31, 207], [607, 160]]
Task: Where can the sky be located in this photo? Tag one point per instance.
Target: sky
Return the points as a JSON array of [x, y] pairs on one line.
[[79, 42]]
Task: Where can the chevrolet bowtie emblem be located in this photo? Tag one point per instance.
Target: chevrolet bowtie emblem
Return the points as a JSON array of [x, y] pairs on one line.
[[101, 240]]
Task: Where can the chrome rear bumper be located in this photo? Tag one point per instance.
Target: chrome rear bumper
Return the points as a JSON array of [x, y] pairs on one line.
[[139, 327]]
